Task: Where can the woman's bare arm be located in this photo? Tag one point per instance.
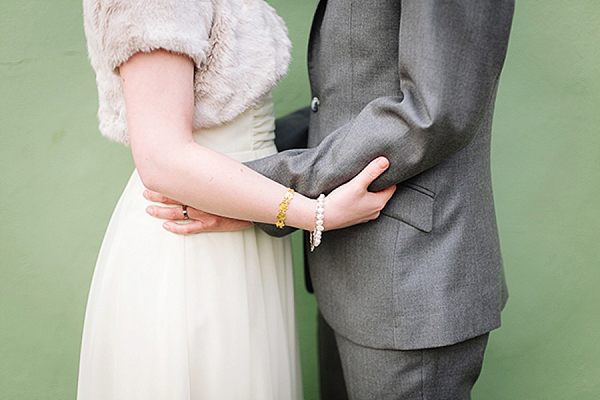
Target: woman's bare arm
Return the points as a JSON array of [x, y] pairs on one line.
[[159, 99]]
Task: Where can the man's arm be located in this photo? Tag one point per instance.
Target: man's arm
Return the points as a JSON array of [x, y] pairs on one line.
[[450, 57]]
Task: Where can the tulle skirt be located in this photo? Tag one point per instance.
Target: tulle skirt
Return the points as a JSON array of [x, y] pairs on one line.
[[205, 316]]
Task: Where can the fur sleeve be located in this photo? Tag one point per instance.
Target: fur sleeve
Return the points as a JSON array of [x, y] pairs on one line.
[[121, 28], [240, 48]]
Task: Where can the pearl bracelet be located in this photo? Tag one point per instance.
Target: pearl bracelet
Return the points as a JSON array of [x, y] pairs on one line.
[[315, 236]]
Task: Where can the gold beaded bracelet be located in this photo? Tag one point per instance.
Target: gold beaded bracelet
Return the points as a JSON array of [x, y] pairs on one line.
[[283, 206]]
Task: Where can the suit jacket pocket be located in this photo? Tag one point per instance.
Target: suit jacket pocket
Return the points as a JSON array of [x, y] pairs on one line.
[[412, 204]]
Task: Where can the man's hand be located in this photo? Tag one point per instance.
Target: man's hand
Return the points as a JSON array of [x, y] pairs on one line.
[[197, 222]]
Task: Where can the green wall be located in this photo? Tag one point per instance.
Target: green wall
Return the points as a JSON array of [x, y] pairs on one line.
[[59, 181]]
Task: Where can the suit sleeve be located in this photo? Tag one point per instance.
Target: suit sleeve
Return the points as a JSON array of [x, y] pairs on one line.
[[450, 57]]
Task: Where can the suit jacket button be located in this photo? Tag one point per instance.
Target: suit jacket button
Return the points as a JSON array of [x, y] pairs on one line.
[[314, 104]]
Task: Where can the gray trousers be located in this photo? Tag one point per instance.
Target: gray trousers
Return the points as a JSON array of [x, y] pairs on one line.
[[352, 371]]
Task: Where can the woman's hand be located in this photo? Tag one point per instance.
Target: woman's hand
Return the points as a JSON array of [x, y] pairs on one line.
[[352, 204], [197, 221]]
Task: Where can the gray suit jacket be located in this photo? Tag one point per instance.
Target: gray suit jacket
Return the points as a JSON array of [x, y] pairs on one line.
[[413, 80]]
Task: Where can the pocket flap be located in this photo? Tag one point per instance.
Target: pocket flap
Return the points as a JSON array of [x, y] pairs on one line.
[[412, 205]]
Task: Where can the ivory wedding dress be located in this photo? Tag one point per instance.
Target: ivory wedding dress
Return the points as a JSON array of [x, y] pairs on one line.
[[204, 316]]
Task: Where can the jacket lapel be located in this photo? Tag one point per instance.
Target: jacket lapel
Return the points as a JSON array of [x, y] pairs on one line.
[[314, 30]]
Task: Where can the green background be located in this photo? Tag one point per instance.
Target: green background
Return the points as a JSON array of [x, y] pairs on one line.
[[59, 180]]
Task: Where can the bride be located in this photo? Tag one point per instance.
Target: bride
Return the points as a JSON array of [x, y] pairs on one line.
[[186, 84]]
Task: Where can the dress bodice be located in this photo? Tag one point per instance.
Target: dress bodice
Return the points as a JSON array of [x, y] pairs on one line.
[[249, 136]]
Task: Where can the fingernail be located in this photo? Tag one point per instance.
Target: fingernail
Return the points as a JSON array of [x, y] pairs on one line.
[[145, 194], [150, 210], [169, 226], [382, 162]]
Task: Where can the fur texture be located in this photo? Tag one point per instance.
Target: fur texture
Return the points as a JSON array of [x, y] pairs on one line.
[[240, 49]]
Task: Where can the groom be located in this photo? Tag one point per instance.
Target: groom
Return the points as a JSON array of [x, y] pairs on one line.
[[408, 300]]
